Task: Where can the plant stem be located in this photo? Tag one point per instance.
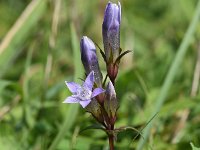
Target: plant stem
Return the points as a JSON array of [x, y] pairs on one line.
[[111, 141]]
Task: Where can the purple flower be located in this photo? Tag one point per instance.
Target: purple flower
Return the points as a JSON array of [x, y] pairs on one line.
[[89, 59], [111, 31], [83, 94]]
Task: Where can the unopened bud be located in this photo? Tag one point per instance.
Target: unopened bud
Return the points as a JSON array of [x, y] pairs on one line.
[[90, 60]]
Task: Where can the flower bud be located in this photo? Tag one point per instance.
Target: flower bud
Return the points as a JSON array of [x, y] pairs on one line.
[[89, 59], [111, 31], [110, 103], [95, 109]]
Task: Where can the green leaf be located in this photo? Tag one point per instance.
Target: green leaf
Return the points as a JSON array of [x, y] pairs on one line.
[[3, 84], [94, 126], [72, 108], [174, 68], [122, 129], [193, 147], [102, 53], [121, 55], [9, 47]]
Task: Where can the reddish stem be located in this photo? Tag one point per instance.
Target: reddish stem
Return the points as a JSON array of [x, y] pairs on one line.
[[111, 141]]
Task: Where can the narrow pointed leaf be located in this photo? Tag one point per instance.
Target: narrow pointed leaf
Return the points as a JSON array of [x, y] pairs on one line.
[[94, 126], [101, 51], [121, 55]]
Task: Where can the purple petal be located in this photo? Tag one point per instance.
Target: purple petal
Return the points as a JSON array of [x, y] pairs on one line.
[[110, 90], [119, 15], [112, 15], [111, 30], [89, 58], [72, 86], [89, 81], [71, 99], [88, 54], [84, 103], [97, 91]]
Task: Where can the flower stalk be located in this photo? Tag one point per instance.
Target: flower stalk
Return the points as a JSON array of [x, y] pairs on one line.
[[93, 95], [111, 141]]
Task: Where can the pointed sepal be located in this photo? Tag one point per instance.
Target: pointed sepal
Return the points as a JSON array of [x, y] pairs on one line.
[[94, 126], [117, 61]]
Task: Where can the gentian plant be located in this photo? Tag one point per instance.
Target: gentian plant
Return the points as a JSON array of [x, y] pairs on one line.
[[93, 95]]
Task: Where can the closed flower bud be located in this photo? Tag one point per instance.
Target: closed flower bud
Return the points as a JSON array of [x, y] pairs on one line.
[[95, 109], [110, 103], [111, 31], [89, 59]]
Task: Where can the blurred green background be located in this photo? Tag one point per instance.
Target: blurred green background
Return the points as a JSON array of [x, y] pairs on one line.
[[39, 50]]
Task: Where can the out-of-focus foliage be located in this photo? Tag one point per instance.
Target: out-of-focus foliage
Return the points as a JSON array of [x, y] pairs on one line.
[[42, 51]]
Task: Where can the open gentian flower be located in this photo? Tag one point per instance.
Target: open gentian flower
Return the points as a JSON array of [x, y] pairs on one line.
[[84, 93]]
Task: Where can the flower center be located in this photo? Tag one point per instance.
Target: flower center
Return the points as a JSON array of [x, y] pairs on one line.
[[84, 93]]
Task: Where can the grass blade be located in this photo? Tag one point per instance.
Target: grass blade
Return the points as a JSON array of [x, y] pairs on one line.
[[72, 109], [172, 72], [19, 32]]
